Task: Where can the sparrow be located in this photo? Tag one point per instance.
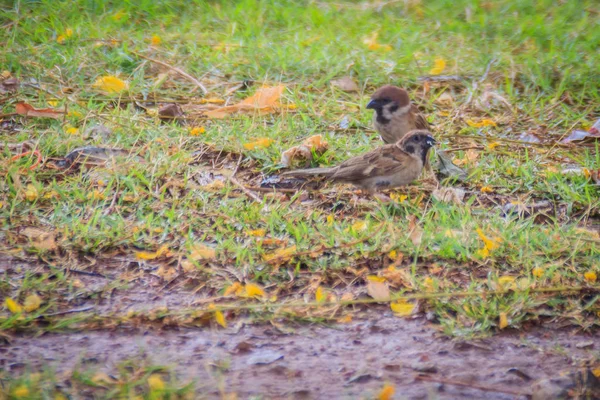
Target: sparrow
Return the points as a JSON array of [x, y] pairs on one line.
[[388, 166], [395, 115]]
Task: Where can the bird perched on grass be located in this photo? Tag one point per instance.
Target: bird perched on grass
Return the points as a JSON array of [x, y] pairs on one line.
[[388, 166], [395, 115]]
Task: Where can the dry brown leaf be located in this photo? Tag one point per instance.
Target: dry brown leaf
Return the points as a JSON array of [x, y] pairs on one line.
[[378, 290], [39, 238], [304, 151], [449, 195], [346, 84], [265, 100], [201, 252], [415, 231], [28, 111]]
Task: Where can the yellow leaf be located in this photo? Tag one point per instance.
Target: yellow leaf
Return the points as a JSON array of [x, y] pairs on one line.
[[439, 66], [372, 44], [260, 143], [387, 392], [101, 377], [375, 278], [196, 131], [264, 97], [590, 276], [144, 255], [21, 392], [31, 193], [503, 321], [201, 252], [357, 226], [402, 308], [155, 382], [119, 15], [281, 255], [214, 186], [428, 284], [537, 272], [493, 145], [253, 290], [220, 318], [257, 233], [12, 305], [399, 198], [61, 39], [393, 254], [74, 114], [486, 189], [155, 41], [32, 302], [320, 295], [489, 244], [481, 124], [212, 100], [68, 32], [330, 220], [72, 131], [506, 281], [236, 288], [596, 372], [110, 84], [346, 319]]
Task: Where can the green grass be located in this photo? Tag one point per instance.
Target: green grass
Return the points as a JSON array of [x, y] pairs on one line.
[[546, 67]]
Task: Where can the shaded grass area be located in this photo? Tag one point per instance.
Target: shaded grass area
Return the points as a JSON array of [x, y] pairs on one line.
[[545, 66]]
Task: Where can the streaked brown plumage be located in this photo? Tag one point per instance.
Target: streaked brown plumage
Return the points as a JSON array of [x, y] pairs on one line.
[[395, 115], [388, 166]]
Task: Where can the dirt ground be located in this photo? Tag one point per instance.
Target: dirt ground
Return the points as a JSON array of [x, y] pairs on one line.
[[347, 361]]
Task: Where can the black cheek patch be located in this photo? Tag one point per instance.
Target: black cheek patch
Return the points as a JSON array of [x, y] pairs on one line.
[[380, 118], [409, 149], [394, 108]]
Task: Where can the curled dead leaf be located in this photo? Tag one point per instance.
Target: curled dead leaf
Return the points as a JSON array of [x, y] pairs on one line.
[[378, 290], [345, 84], [314, 144], [28, 111]]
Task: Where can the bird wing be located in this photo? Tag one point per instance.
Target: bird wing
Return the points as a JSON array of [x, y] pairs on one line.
[[384, 161], [420, 121]]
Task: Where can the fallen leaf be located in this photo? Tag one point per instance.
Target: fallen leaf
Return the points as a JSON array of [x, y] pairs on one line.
[[21, 392], [258, 144], [489, 244], [346, 84], [265, 100], [155, 40], [170, 111], [264, 356], [503, 320], [449, 195], [144, 255], [439, 66], [529, 137], [402, 308], [39, 238], [590, 276], [486, 189], [201, 252], [320, 295], [537, 272], [32, 302], [236, 288], [253, 290], [280, 255], [372, 43], [314, 144], [257, 233], [481, 124], [110, 84], [28, 111], [197, 131], [378, 290], [12, 305], [445, 167], [387, 392], [31, 193], [155, 382], [445, 99], [415, 232]]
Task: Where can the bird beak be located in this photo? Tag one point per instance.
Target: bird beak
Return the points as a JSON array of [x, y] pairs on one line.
[[374, 104], [431, 142]]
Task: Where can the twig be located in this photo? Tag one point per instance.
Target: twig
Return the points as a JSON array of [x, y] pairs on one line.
[[270, 190], [179, 71], [428, 378], [476, 83], [71, 311], [243, 188]]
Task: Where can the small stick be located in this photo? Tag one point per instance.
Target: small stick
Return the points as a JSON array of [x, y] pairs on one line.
[[179, 71], [243, 188], [71, 311], [270, 190], [428, 378]]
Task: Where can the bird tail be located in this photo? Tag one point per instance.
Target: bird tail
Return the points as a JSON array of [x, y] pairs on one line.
[[310, 172]]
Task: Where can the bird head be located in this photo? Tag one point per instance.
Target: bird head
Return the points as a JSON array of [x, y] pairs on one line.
[[388, 99], [417, 142]]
